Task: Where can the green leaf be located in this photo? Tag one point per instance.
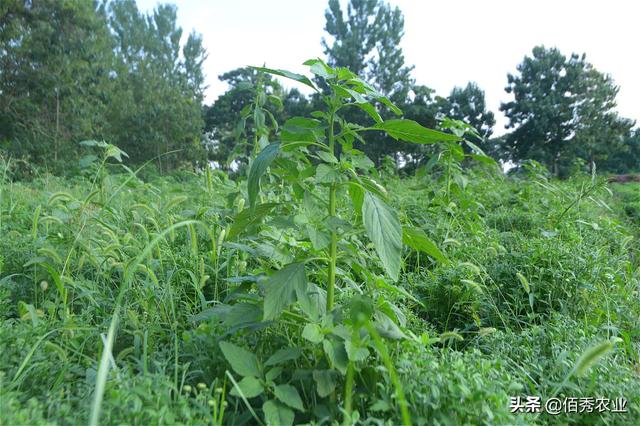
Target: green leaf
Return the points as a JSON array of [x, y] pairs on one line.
[[362, 162], [280, 289], [258, 168], [327, 174], [293, 76], [247, 218], [277, 414], [275, 100], [327, 157], [290, 396], [242, 361], [92, 142], [319, 239], [325, 382], [387, 327], [385, 231], [28, 310], [313, 301], [273, 252], [371, 110], [273, 374], [390, 105], [410, 131], [312, 333], [115, 152], [417, 239], [87, 160], [297, 129], [357, 197], [319, 68], [234, 315], [356, 353], [372, 186], [361, 308], [484, 159], [337, 354], [283, 355], [249, 386]]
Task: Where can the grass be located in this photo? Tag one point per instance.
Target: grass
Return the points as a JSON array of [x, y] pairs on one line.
[[141, 266]]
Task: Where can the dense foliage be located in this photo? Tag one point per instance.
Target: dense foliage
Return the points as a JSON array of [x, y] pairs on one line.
[[75, 70], [100, 69], [348, 256], [563, 112], [307, 292]]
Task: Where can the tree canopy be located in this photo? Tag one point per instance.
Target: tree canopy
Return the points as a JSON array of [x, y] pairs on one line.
[[562, 110], [78, 70], [104, 70]]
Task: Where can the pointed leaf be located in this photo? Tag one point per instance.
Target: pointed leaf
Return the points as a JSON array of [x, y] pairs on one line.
[[247, 217], [277, 414], [283, 355], [249, 386], [390, 105], [301, 129], [410, 131], [258, 168], [313, 301], [290, 396], [327, 174], [384, 230], [337, 354], [312, 333], [371, 110], [417, 239], [242, 361], [280, 289], [293, 76], [325, 382]]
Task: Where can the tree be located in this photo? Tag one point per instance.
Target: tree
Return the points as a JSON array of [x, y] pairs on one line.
[[155, 107], [468, 104], [562, 110], [367, 41], [225, 120], [228, 126], [626, 157], [72, 70], [55, 59]]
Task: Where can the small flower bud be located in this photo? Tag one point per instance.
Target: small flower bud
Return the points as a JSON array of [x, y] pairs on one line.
[[187, 388], [202, 386], [44, 285]]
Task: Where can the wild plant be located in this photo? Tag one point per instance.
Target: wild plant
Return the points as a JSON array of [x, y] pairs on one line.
[[327, 281]]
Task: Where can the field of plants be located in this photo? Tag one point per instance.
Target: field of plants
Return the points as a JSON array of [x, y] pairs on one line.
[[315, 288]]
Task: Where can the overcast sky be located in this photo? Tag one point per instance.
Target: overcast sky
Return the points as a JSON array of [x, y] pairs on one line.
[[449, 42]]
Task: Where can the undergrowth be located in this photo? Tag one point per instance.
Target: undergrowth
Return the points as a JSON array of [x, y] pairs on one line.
[[149, 300]]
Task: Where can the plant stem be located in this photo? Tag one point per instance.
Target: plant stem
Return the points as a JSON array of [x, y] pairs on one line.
[[348, 385], [395, 380], [334, 237], [348, 393]]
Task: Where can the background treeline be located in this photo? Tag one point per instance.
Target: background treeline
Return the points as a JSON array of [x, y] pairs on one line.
[[77, 69]]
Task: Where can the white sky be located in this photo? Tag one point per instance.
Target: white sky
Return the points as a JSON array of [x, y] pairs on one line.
[[449, 42]]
